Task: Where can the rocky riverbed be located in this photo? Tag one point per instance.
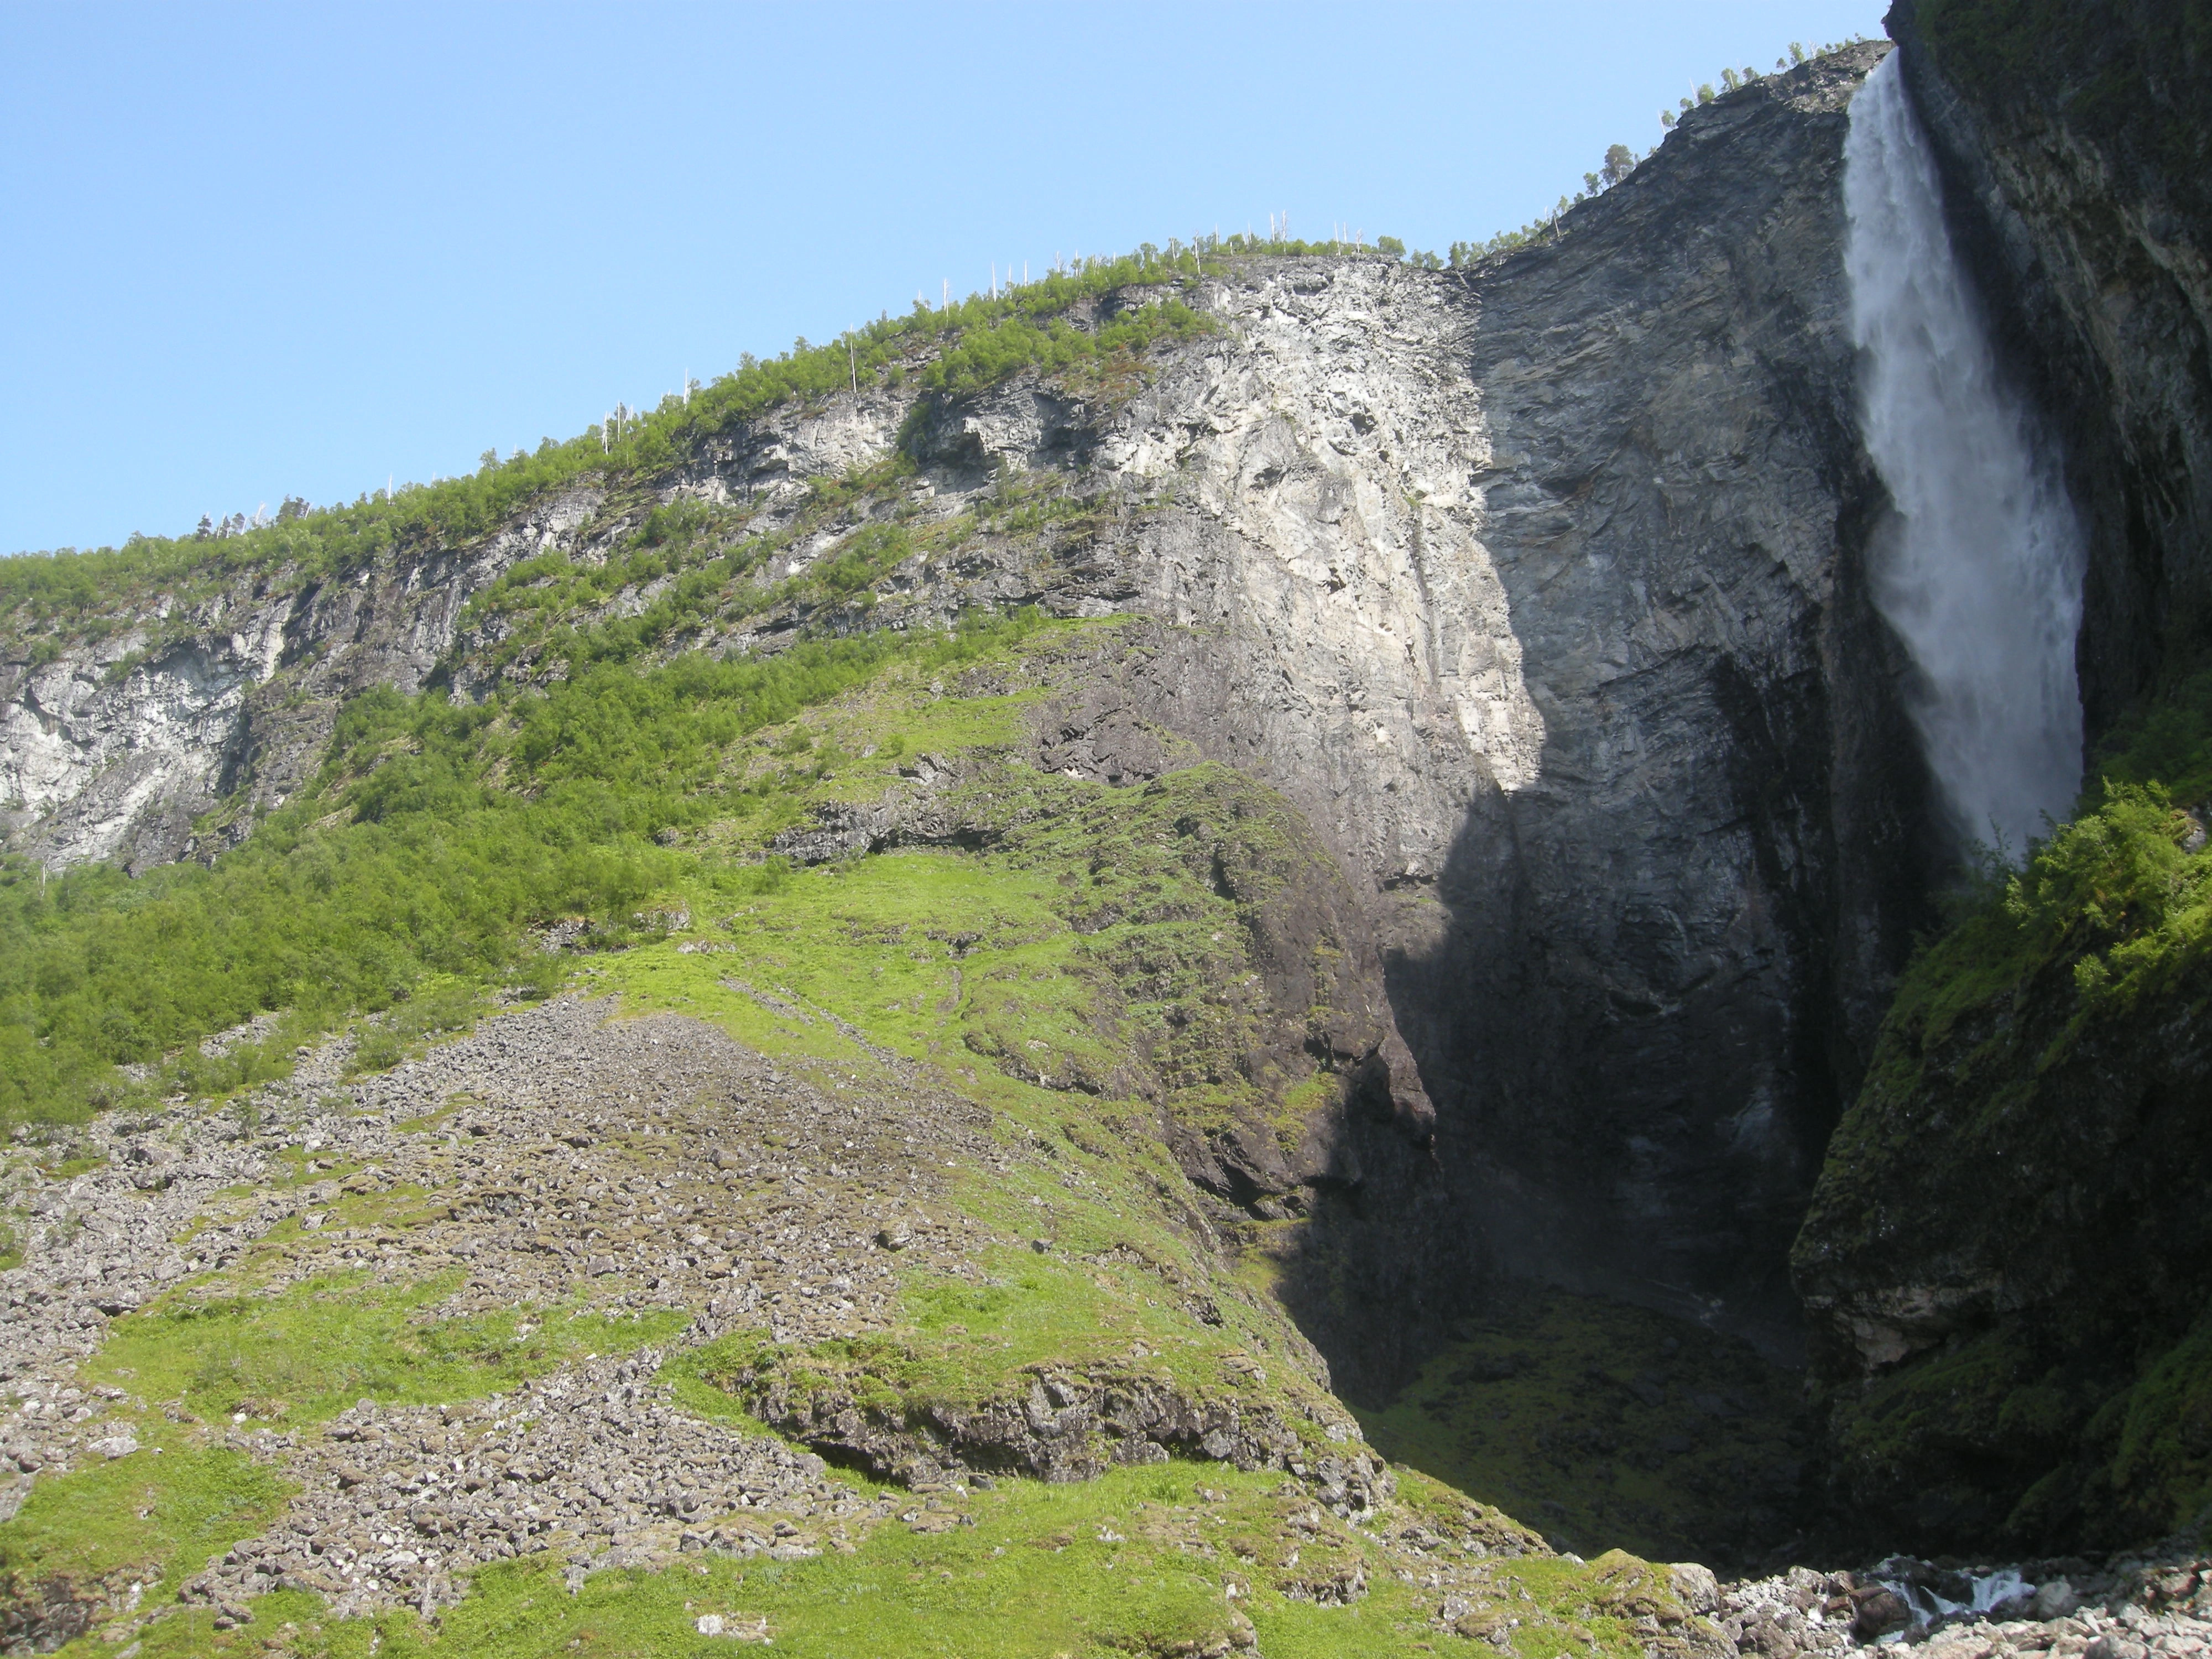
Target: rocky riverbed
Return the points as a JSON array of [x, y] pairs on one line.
[[2156, 1602]]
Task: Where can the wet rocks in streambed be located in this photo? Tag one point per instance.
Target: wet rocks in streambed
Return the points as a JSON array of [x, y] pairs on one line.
[[2137, 1607]]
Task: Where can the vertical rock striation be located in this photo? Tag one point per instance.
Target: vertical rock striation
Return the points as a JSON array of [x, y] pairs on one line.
[[1540, 592], [1536, 590], [1649, 971], [2007, 1266]]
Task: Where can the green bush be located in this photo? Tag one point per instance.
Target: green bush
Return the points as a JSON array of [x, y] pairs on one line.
[[2114, 899]]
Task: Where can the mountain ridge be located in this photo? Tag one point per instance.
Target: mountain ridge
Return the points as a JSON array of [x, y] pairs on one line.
[[1153, 895]]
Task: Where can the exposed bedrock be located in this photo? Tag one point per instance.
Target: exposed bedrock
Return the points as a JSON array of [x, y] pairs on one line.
[[1538, 592], [225, 696], [1647, 977], [2006, 1265], [1541, 596]]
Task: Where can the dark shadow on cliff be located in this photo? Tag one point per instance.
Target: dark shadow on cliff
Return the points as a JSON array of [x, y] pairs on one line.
[[1646, 981], [1607, 1426]]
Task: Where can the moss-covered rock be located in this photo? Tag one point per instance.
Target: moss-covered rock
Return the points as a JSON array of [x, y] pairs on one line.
[[2009, 1249]]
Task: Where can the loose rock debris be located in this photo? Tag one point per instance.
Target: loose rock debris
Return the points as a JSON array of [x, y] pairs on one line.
[[555, 1157]]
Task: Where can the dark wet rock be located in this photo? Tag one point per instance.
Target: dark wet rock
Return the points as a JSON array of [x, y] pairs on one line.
[[1877, 1611], [2007, 1254]]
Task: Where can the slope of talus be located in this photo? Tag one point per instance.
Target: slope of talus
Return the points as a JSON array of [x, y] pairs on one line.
[[1398, 774]]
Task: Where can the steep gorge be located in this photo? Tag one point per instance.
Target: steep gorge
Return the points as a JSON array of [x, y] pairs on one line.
[[1464, 810], [1537, 591]]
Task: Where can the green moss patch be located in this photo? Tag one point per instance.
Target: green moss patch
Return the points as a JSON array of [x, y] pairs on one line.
[[151, 1518], [311, 1351], [1607, 1426]]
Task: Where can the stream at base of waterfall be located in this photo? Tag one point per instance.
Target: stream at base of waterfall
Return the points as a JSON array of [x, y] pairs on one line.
[[2146, 1603]]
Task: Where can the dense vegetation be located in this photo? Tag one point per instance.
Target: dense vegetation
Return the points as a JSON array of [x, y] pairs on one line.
[[2117, 902], [436, 834]]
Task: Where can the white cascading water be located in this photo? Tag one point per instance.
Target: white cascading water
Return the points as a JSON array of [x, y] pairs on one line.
[[1982, 579]]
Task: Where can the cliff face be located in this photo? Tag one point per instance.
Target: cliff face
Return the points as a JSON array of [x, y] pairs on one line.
[[1536, 592], [1652, 966], [1539, 595], [2075, 152], [160, 741], [2006, 1254]]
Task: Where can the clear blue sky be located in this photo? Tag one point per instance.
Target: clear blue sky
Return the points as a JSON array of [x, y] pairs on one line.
[[248, 250]]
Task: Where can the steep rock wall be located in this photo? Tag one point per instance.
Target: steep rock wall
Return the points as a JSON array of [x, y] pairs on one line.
[[2006, 1254], [1540, 594], [1536, 591], [1656, 969]]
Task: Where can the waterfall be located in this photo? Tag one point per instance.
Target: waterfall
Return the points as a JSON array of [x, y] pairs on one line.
[[1980, 573]]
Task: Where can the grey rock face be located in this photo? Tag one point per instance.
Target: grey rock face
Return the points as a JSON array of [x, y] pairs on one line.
[[226, 697], [115, 760], [2092, 241], [1540, 592], [1536, 590], [1653, 967]]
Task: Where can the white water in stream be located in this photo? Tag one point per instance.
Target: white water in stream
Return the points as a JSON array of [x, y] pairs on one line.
[[1981, 571]]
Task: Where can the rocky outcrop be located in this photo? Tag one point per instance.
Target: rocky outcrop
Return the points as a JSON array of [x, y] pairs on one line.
[[1069, 1424], [2006, 1265], [218, 700]]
